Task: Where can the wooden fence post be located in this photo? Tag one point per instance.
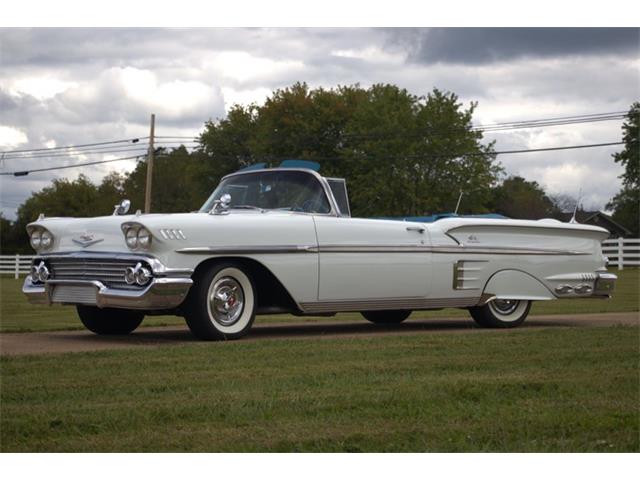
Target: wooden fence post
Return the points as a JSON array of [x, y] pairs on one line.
[[620, 253], [17, 269]]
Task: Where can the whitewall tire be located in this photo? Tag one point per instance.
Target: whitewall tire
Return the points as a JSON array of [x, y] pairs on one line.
[[500, 313], [222, 302]]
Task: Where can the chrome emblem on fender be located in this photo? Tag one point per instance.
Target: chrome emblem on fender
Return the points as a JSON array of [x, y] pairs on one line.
[[472, 239], [86, 240]]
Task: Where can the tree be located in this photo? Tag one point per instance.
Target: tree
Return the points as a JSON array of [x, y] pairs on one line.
[[400, 153], [519, 198], [626, 204], [175, 184], [413, 155]]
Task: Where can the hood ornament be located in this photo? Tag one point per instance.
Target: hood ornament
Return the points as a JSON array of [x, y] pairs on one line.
[[86, 240]]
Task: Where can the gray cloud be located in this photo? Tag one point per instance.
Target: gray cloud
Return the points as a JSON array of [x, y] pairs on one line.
[[486, 45], [88, 85]]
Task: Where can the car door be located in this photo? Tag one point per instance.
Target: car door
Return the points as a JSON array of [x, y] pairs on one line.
[[372, 259]]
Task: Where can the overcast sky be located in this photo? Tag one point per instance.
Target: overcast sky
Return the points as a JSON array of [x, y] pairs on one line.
[[71, 86]]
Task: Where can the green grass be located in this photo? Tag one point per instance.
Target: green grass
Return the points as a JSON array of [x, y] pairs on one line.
[[553, 389], [16, 315]]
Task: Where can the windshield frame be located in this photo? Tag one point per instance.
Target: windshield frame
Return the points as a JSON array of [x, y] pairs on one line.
[[333, 212]]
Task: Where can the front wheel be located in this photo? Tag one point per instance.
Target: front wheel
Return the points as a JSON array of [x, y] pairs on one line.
[[109, 321], [501, 313], [387, 316], [222, 303]]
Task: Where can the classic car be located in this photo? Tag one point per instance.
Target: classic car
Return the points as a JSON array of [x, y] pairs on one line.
[[282, 240]]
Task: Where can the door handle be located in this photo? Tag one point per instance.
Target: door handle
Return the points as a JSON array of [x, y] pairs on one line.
[[415, 229]]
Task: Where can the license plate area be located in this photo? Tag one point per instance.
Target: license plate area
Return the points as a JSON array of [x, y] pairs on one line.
[[84, 294]]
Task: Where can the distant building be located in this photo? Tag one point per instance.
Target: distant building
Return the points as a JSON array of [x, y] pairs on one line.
[[599, 219]]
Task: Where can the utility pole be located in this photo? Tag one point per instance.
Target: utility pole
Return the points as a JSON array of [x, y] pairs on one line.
[[147, 190]]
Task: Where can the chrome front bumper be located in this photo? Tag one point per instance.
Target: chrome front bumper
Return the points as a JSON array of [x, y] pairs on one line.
[[162, 293]]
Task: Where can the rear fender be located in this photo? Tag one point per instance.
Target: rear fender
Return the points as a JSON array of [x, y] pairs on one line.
[[516, 285]]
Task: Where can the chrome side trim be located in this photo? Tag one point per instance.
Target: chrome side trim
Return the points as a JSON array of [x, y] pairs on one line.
[[251, 249], [406, 303], [440, 249]]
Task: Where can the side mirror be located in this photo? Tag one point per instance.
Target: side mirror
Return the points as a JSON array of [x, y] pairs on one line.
[[221, 206], [122, 208]]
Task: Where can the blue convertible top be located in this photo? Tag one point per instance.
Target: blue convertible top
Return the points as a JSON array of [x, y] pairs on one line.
[[438, 216]]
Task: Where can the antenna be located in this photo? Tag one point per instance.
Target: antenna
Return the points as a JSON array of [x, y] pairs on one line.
[[458, 204], [575, 210]]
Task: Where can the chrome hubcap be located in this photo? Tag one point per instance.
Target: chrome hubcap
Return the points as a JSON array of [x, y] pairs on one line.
[[226, 301], [505, 307]]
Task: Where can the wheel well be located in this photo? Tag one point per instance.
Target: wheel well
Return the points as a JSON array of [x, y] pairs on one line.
[[271, 295]]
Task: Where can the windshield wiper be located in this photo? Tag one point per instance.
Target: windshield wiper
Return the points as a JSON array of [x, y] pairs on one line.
[[247, 207]]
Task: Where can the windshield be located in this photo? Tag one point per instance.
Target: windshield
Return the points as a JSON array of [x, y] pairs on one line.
[[290, 190]]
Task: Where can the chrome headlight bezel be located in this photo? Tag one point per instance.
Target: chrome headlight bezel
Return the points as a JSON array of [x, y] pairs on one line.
[[40, 238], [137, 236], [144, 238]]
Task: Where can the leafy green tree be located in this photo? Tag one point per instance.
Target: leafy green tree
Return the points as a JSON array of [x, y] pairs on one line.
[[172, 184], [626, 204], [10, 238], [413, 155], [519, 198], [401, 154]]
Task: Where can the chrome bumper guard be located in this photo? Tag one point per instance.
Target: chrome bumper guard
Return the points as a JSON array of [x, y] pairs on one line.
[[604, 285], [161, 293]]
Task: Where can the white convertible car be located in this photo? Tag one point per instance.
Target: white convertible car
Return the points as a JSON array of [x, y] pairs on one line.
[[282, 240]]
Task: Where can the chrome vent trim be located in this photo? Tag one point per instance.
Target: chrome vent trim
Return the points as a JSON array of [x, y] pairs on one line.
[[466, 274], [172, 234]]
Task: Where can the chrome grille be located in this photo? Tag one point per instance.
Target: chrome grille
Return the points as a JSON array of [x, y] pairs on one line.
[[109, 272]]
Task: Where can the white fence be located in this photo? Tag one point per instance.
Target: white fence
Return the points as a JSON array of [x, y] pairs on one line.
[[15, 264], [622, 252]]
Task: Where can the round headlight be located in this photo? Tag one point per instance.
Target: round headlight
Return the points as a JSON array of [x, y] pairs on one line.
[[46, 239], [35, 239], [144, 238], [132, 238]]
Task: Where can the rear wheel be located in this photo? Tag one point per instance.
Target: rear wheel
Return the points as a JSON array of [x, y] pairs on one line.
[[222, 303], [109, 321], [501, 313], [387, 316]]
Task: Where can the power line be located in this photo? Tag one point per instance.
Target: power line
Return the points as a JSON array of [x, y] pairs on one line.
[[97, 151], [128, 140], [553, 121], [62, 167], [489, 154]]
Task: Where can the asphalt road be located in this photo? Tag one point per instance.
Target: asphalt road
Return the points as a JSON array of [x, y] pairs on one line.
[[82, 341]]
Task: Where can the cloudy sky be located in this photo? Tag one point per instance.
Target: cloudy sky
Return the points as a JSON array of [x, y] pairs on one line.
[[63, 87]]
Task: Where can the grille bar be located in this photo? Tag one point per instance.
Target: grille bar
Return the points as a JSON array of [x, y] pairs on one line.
[[109, 272]]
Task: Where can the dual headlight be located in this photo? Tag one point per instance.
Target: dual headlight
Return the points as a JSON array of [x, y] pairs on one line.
[[136, 236], [40, 238]]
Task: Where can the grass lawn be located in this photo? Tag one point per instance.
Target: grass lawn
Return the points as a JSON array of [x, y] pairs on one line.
[[553, 389], [17, 315]]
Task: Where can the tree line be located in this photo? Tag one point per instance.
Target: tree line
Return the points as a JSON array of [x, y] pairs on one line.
[[401, 154]]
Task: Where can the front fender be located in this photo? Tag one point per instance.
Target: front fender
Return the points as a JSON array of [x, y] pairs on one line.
[[516, 285]]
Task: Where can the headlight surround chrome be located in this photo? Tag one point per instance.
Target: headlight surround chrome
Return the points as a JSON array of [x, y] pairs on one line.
[[144, 238], [137, 236], [35, 238], [40, 238], [131, 237], [46, 239]]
